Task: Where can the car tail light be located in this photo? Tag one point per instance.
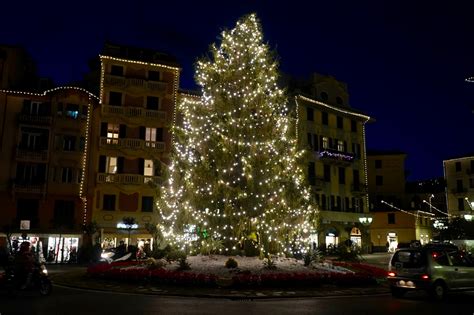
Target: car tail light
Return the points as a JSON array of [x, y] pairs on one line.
[[392, 274], [425, 277]]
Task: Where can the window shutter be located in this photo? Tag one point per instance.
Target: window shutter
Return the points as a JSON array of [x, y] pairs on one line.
[[102, 164], [120, 161], [159, 134], [122, 131], [142, 132], [103, 129]]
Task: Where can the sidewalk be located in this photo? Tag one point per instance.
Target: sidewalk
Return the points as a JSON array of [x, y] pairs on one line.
[[78, 279]]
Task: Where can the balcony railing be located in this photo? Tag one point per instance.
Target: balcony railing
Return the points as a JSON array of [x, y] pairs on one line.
[[35, 119], [337, 156], [127, 179], [133, 144], [124, 82], [31, 155], [131, 112], [29, 188]]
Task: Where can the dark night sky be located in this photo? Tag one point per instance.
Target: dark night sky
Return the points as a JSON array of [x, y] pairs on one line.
[[404, 63]]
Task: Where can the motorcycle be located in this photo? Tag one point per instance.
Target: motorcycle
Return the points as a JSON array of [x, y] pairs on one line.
[[39, 281]]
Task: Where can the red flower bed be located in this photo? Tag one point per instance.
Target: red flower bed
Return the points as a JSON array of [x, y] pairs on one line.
[[363, 269], [136, 272]]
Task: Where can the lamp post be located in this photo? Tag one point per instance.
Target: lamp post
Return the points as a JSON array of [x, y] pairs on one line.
[[429, 200], [468, 217], [366, 220]]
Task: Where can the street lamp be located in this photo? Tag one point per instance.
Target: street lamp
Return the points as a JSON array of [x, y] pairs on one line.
[[429, 200], [468, 217], [365, 220]]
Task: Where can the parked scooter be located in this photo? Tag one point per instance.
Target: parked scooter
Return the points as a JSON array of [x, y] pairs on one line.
[[39, 281]]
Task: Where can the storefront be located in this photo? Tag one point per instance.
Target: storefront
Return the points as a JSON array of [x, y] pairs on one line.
[[356, 237], [332, 238]]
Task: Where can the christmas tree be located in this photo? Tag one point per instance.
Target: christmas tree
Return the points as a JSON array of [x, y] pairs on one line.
[[236, 177]]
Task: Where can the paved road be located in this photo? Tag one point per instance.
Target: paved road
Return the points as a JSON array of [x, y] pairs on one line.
[[72, 301]]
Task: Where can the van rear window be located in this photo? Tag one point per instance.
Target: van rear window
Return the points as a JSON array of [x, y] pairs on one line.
[[409, 259]]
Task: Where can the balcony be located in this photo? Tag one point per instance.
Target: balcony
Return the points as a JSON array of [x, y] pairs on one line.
[[359, 189], [30, 155], [35, 119], [128, 179], [132, 112], [132, 144], [29, 188], [135, 83], [335, 156]]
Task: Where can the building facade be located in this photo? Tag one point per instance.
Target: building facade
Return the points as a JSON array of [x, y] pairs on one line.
[[459, 176], [398, 217], [334, 134], [43, 158], [132, 140]]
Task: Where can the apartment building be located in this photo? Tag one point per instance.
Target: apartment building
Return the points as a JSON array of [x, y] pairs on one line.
[[459, 176], [43, 156], [132, 140], [398, 216], [334, 134]]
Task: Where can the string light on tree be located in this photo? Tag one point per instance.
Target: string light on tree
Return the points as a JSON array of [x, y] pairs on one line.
[[236, 174]]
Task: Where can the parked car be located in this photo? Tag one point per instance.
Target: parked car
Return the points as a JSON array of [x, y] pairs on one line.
[[436, 268]]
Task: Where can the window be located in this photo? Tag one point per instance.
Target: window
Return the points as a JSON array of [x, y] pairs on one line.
[[148, 169], [113, 133], [84, 111], [108, 202], [311, 173], [356, 149], [31, 108], [325, 143], [378, 163], [458, 259], [325, 118], [66, 175], [82, 143], [340, 122], [353, 126], [342, 175], [409, 259], [356, 179], [111, 164], [309, 114], [333, 203], [310, 140], [324, 96], [391, 218], [69, 143], [63, 213], [339, 100], [338, 203], [30, 173], [440, 258], [147, 204], [116, 70], [461, 204], [115, 98], [379, 180], [152, 102], [30, 139], [327, 173], [340, 145], [323, 202], [459, 185], [72, 111], [347, 206], [154, 75], [458, 166]]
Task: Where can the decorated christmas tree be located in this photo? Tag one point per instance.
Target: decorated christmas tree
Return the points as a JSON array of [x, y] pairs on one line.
[[236, 178]]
